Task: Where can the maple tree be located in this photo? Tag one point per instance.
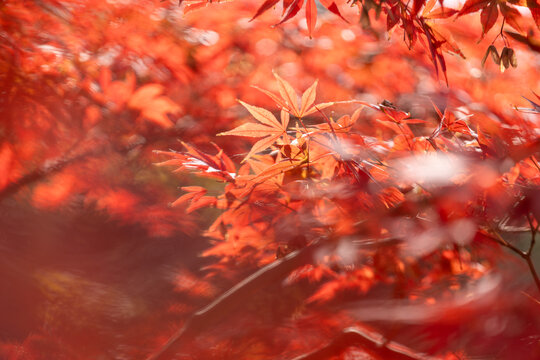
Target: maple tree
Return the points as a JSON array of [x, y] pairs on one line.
[[337, 224]]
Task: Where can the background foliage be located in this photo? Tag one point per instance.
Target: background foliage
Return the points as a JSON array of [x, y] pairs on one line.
[[396, 219]]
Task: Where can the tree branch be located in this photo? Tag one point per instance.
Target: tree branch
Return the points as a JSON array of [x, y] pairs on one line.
[[43, 171], [528, 258], [232, 298], [372, 343], [525, 255], [58, 164]]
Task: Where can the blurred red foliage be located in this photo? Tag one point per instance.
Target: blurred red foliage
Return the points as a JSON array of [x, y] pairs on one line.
[[381, 213]]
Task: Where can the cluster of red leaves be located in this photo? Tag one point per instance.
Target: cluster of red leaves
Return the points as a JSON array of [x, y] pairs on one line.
[[409, 207], [74, 110], [419, 19]]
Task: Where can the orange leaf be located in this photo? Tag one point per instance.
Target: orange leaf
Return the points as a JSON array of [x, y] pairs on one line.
[[321, 106], [200, 203], [277, 100], [53, 193], [417, 5], [511, 16], [195, 6], [294, 8], [157, 109], [183, 199], [253, 130], [326, 292], [153, 107], [277, 169], [311, 16], [333, 8], [193, 189], [262, 115], [429, 5], [285, 117], [6, 160], [269, 129], [264, 7], [488, 17], [308, 98], [261, 145], [471, 6], [141, 97], [288, 94], [441, 13]]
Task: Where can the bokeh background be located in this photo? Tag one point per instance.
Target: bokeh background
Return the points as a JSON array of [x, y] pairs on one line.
[[94, 262]]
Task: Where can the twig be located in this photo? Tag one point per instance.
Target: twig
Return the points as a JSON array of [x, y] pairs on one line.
[[533, 272], [233, 298], [44, 171], [372, 343], [534, 230], [508, 245], [535, 162], [526, 255], [531, 297], [50, 167]]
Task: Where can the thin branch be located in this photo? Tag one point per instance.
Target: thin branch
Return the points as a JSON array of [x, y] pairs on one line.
[[531, 297], [272, 273], [508, 245], [51, 167], [42, 172], [213, 313], [372, 343], [533, 272], [534, 230], [526, 255]]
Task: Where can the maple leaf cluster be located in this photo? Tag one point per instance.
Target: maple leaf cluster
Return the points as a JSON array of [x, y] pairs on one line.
[[352, 211], [419, 20]]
